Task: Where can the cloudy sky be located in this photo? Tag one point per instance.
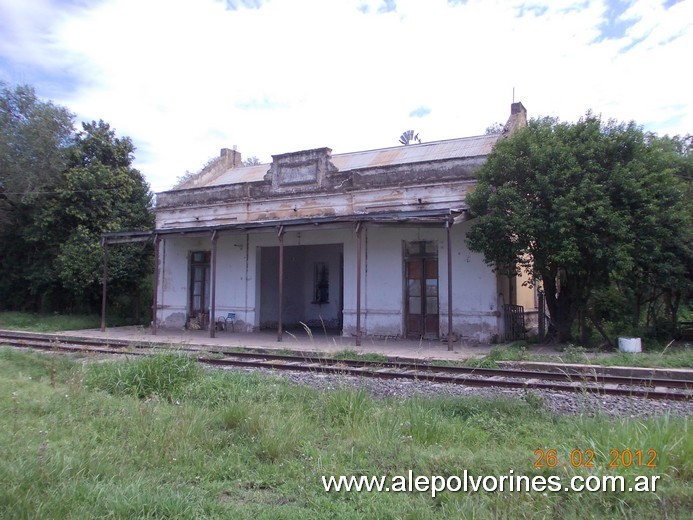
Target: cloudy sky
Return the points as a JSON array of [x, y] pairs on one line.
[[184, 78]]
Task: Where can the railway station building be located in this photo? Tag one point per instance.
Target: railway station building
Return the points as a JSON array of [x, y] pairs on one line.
[[368, 243]]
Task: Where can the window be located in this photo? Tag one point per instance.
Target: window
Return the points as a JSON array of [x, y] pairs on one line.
[[321, 283], [199, 282]]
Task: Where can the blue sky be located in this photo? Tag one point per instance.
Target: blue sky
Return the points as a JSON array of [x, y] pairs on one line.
[[184, 78]]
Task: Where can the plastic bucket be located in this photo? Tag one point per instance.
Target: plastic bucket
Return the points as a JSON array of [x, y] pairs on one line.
[[629, 345]]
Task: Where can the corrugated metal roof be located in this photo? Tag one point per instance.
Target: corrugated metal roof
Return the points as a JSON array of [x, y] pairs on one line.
[[433, 151], [241, 175]]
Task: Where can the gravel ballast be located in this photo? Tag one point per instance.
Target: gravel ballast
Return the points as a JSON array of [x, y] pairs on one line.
[[558, 403]]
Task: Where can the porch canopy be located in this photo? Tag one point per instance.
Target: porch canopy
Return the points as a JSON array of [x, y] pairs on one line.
[[426, 218]]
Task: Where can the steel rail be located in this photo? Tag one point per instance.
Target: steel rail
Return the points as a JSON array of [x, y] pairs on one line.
[[657, 388], [660, 391], [590, 374]]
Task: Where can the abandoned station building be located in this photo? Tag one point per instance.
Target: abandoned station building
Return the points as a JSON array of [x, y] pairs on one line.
[[368, 243]]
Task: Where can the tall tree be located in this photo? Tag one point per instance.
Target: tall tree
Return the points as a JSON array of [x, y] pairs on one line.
[[99, 192], [567, 203], [59, 190], [662, 234], [34, 140], [34, 137]]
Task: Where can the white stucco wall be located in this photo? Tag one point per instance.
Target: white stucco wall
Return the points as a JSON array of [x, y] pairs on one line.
[[240, 283], [232, 277], [474, 310], [474, 283]]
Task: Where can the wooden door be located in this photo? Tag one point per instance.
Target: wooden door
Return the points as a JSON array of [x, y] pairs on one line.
[[421, 285], [199, 286]]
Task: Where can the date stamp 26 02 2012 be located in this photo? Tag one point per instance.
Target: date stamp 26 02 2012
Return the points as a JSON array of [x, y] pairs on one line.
[[588, 459]]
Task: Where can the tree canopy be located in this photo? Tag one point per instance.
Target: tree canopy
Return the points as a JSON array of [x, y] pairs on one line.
[[582, 206], [34, 139], [62, 190]]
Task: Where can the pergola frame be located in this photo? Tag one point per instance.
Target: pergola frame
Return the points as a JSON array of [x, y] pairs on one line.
[[422, 218]]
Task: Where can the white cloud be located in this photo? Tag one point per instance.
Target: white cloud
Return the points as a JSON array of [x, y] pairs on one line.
[[185, 78]]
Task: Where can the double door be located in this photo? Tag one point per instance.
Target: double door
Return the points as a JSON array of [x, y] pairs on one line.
[[199, 286], [421, 284]]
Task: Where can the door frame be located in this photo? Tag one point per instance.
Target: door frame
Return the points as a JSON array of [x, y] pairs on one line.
[[206, 281], [427, 253]]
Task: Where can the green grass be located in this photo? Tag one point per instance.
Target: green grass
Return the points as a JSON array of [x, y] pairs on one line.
[[158, 438], [353, 355], [160, 376], [680, 356], [517, 352], [47, 322], [35, 322]]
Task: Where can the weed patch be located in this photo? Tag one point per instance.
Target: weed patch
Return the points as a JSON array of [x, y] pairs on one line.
[[163, 376], [513, 353], [352, 354]]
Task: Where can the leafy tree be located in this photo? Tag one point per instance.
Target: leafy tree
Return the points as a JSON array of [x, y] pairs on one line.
[[99, 192], [59, 190], [662, 274], [34, 137], [34, 141], [494, 128], [252, 161], [581, 206]]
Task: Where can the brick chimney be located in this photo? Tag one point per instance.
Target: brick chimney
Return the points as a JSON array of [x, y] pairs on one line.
[[517, 119], [230, 158]]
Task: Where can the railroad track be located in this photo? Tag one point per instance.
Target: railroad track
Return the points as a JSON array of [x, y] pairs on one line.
[[587, 379]]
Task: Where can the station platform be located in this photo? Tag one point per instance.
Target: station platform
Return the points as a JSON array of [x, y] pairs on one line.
[[299, 341]]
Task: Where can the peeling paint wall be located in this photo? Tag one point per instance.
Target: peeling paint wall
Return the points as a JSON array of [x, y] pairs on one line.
[[232, 278], [247, 280], [301, 205], [423, 186], [474, 299]]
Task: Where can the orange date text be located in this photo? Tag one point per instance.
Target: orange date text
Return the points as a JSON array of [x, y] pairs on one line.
[[549, 458]]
